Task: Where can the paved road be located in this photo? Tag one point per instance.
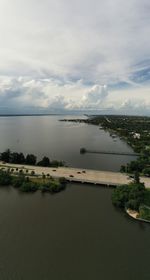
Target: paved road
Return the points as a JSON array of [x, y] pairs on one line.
[[80, 175]]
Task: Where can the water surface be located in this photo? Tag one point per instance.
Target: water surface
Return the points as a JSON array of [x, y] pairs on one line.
[[76, 234], [46, 135]]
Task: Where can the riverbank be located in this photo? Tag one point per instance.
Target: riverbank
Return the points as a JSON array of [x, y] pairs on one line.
[[133, 198], [136, 215], [134, 130]]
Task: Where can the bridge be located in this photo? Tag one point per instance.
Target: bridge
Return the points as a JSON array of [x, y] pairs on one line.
[[105, 178], [83, 151]]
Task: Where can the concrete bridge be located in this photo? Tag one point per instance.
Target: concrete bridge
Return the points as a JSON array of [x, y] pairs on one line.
[[83, 151], [106, 178]]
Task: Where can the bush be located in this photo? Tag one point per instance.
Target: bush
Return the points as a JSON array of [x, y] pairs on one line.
[[145, 213], [29, 187], [133, 204], [130, 196], [120, 196], [5, 178], [30, 159], [44, 162], [53, 186], [18, 181]]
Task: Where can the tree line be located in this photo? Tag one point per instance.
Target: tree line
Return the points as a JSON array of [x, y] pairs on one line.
[[29, 159]]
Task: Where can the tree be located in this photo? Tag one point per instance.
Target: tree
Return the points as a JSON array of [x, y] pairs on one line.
[[18, 181], [123, 168], [146, 171], [120, 196], [30, 159], [17, 158], [130, 196], [28, 186], [5, 156], [32, 173], [5, 178], [132, 204], [44, 162], [43, 176], [136, 177]]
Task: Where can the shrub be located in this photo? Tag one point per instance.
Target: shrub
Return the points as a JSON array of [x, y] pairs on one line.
[[29, 187], [130, 196], [5, 178], [18, 181]]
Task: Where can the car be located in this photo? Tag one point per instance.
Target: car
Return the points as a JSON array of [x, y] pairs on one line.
[[130, 177]]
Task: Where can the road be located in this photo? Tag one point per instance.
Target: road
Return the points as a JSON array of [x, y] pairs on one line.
[[79, 175]]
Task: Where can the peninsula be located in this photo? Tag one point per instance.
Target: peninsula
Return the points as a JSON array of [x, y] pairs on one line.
[[135, 131]]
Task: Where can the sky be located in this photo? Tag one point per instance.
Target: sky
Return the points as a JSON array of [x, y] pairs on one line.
[[75, 55]]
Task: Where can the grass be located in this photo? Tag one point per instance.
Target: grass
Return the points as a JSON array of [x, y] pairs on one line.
[[147, 198], [41, 180], [144, 209], [144, 212]]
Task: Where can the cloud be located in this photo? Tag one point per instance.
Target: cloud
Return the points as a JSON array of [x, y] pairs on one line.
[[49, 93], [94, 97], [62, 53]]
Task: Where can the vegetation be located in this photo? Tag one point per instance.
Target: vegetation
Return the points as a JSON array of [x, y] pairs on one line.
[[135, 130], [52, 186], [133, 196], [30, 159], [129, 196], [5, 178], [26, 184], [144, 212]]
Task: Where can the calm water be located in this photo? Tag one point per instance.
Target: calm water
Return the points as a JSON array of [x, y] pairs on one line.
[[76, 234], [61, 140]]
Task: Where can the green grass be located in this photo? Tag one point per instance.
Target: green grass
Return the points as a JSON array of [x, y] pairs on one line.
[[147, 198], [144, 213], [144, 209], [41, 180]]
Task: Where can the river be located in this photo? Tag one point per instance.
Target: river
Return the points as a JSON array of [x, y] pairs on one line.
[[76, 234]]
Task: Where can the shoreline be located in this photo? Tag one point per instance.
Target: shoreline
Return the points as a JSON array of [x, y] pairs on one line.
[[134, 215]]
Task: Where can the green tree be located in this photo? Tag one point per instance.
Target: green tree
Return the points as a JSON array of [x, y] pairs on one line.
[[136, 177], [17, 158], [44, 162], [5, 178], [30, 159], [5, 156]]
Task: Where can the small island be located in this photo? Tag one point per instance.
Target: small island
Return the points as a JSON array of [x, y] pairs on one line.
[[30, 183], [134, 198], [27, 181]]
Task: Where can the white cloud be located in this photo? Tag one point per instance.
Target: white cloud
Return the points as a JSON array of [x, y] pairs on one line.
[[50, 94], [61, 53]]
